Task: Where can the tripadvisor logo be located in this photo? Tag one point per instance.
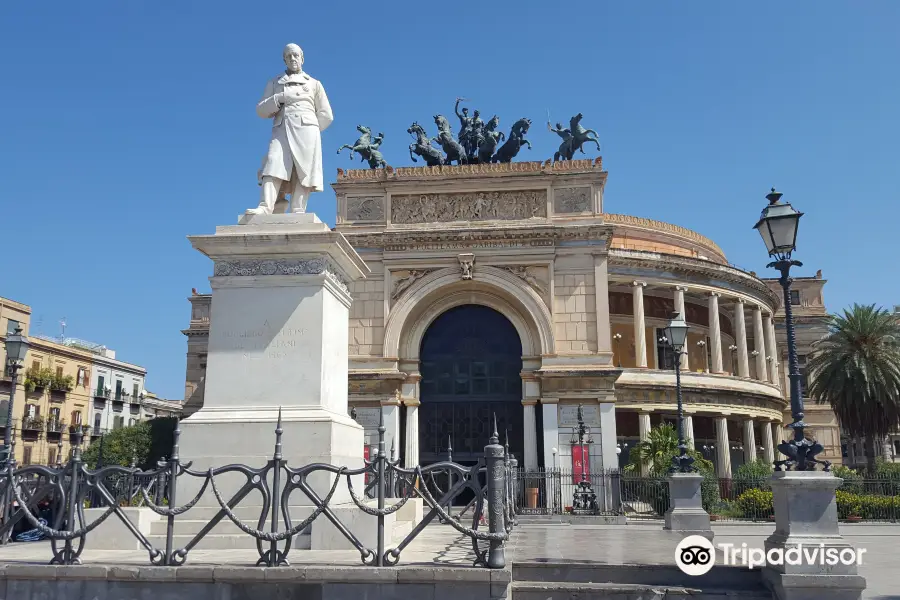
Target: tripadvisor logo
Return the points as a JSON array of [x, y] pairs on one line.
[[696, 555]]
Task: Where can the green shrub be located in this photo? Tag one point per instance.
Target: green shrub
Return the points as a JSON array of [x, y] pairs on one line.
[[755, 504], [752, 475], [881, 508], [852, 480]]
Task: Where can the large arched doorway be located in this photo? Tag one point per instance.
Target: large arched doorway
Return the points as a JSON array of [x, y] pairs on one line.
[[470, 361]]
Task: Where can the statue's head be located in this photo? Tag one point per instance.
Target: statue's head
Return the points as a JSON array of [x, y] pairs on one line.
[[293, 58], [559, 125], [465, 111], [362, 129], [476, 113], [577, 118]]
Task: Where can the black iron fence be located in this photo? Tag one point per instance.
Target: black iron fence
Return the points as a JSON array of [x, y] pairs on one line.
[[555, 492], [476, 501]]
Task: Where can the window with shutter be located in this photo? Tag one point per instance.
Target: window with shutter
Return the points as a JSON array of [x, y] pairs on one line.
[[59, 371], [51, 456], [26, 455]]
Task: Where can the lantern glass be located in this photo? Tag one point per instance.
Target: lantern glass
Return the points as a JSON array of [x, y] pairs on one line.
[[778, 228], [17, 347], [676, 332]]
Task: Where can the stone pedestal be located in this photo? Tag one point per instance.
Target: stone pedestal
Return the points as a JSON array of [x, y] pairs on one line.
[[277, 342], [686, 515], [806, 518]]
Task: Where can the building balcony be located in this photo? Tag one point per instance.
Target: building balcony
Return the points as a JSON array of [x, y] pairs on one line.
[[101, 394], [97, 432], [55, 426], [32, 424]]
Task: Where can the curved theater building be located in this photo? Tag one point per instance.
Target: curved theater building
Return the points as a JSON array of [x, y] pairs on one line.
[[507, 289]]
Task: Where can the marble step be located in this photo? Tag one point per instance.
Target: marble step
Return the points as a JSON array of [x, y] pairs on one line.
[[719, 578], [563, 590], [220, 541]]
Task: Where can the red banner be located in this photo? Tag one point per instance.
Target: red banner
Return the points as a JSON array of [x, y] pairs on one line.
[[581, 463]]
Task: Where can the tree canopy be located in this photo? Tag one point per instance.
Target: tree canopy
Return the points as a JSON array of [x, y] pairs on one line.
[[856, 369]]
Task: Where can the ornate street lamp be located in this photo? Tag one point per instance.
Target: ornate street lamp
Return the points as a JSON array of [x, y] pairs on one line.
[[16, 350], [733, 349], [778, 227], [702, 345], [676, 336], [584, 500]]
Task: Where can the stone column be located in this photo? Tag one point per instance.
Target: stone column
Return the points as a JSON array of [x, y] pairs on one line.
[[601, 306], [551, 431], [391, 412], [530, 424], [644, 432], [411, 456], [740, 334], [759, 344], [771, 348], [768, 446], [608, 436], [749, 441], [640, 336], [723, 449], [679, 308], [715, 334], [689, 430]]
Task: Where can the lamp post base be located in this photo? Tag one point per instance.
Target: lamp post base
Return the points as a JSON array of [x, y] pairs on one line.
[[806, 521], [686, 514]]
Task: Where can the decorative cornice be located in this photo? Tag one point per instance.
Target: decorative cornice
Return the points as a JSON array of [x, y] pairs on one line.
[[474, 238], [400, 173], [683, 264], [269, 267], [664, 227]]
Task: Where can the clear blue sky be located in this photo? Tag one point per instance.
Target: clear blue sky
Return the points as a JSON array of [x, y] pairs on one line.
[[125, 126]]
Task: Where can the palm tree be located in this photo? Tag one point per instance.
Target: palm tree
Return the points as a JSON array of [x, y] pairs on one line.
[[658, 449], [856, 369]]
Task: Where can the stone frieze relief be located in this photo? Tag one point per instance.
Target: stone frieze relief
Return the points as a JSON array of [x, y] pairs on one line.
[[468, 206]]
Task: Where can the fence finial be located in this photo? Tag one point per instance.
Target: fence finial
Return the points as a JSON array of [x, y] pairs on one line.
[[495, 437], [175, 440], [278, 432]]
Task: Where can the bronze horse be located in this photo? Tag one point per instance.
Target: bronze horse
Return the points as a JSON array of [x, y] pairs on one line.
[[422, 147]]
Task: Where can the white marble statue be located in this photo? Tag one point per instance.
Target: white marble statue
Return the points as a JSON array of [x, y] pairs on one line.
[[300, 111]]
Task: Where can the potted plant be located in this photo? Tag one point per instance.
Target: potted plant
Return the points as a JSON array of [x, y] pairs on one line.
[[853, 518], [714, 517]]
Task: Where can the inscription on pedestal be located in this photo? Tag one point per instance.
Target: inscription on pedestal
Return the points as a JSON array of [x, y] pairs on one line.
[[568, 415], [264, 343]]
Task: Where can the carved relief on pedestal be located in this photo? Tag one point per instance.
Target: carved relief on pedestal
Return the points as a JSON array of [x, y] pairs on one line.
[[572, 200], [403, 280], [467, 265], [468, 206], [365, 208]]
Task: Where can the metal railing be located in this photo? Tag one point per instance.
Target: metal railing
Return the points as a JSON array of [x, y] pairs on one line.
[[486, 487], [561, 491]]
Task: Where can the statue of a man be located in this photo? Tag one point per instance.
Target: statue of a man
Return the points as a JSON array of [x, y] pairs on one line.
[[300, 111]]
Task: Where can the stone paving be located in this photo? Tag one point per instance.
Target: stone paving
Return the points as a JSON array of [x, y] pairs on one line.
[[641, 544]]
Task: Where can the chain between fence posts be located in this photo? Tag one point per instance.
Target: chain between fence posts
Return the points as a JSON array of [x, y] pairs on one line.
[[493, 457]]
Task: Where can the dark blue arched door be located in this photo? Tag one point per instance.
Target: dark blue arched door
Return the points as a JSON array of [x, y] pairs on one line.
[[471, 360]]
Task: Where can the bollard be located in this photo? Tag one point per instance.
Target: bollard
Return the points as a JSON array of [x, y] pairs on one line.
[[496, 484]]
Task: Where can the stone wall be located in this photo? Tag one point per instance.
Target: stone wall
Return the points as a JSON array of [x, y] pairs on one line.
[[367, 317], [574, 312]]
